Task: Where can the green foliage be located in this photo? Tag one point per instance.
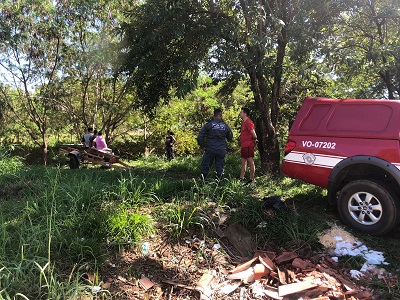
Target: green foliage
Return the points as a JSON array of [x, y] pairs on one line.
[[127, 228], [32, 33], [364, 47], [159, 36], [179, 219], [385, 290], [131, 192], [56, 223], [353, 262], [186, 143], [68, 76], [9, 164]]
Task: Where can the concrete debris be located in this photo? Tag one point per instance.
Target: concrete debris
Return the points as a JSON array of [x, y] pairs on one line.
[[341, 243], [282, 278], [283, 274]]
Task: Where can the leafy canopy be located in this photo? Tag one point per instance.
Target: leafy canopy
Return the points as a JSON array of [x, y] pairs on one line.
[[163, 47]]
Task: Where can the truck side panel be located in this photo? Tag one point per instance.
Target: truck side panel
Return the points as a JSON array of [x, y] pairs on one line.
[[327, 131], [313, 157]]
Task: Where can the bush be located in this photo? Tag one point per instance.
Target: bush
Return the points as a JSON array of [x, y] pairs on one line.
[[186, 143]]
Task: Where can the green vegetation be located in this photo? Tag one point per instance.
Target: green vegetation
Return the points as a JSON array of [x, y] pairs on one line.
[[59, 224], [134, 69]]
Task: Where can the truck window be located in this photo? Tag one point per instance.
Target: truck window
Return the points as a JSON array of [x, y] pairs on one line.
[[349, 117], [315, 115]]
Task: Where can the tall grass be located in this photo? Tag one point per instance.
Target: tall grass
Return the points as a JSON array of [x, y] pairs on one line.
[[56, 224], [61, 221]]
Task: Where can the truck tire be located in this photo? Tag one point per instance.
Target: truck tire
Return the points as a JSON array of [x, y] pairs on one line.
[[369, 206], [73, 162]]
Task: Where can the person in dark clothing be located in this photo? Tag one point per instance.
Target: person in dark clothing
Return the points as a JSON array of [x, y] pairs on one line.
[[92, 140], [169, 145], [212, 139]]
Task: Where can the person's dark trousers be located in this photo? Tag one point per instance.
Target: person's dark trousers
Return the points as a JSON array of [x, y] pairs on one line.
[[170, 152], [209, 159]]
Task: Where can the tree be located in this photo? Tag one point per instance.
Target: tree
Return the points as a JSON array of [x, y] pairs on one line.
[[166, 43], [364, 48], [92, 95], [30, 43]]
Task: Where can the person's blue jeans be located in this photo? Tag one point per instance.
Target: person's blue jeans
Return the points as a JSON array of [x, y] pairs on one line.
[[209, 159]]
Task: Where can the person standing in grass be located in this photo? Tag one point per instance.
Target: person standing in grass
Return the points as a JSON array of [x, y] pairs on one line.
[[248, 140], [212, 139], [169, 145]]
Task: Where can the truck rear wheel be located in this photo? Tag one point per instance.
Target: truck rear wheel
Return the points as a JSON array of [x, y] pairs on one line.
[[369, 206], [73, 162]]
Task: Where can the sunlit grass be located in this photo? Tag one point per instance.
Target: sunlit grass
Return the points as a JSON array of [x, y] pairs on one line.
[[57, 223]]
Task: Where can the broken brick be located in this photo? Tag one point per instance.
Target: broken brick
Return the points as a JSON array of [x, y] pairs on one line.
[[282, 276], [363, 295], [331, 261], [286, 257], [244, 266], [266, 261], [299, 263], [146, 283], [269, 254], [317, 292], [260, 271]]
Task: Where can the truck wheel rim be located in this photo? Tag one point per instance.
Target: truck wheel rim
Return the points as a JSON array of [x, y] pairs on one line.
[[365, 208]]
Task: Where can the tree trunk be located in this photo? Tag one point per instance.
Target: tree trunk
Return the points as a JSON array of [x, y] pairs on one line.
[[273, 151], [387, 79], [146, 147], [268, 143], [265, 101], [44, 148]]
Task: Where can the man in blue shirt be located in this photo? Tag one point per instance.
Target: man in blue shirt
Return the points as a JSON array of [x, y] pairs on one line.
[[212, 139]]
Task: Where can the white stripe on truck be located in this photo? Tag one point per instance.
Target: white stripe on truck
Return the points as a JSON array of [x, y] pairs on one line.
[[321, 160]]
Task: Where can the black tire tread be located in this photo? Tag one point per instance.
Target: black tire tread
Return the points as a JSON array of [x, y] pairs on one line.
[[384, 225], [73, 162]]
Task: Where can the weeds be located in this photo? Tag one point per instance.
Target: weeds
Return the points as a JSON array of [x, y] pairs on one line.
[[386, 288], [179, 219], [127, 228], [56, 224]]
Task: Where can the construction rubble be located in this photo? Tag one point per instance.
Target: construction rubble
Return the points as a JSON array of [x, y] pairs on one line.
[[203, 269], [282, 277]]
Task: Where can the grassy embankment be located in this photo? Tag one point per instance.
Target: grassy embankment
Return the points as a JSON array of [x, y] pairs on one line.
[[57, 224]]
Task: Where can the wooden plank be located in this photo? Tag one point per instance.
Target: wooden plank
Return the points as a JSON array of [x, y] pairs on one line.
[[296, 287]]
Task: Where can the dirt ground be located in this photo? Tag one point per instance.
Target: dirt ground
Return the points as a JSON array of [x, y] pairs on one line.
[[198, 267]]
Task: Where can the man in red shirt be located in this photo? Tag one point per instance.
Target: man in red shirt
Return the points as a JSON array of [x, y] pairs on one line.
[[248, 140]]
